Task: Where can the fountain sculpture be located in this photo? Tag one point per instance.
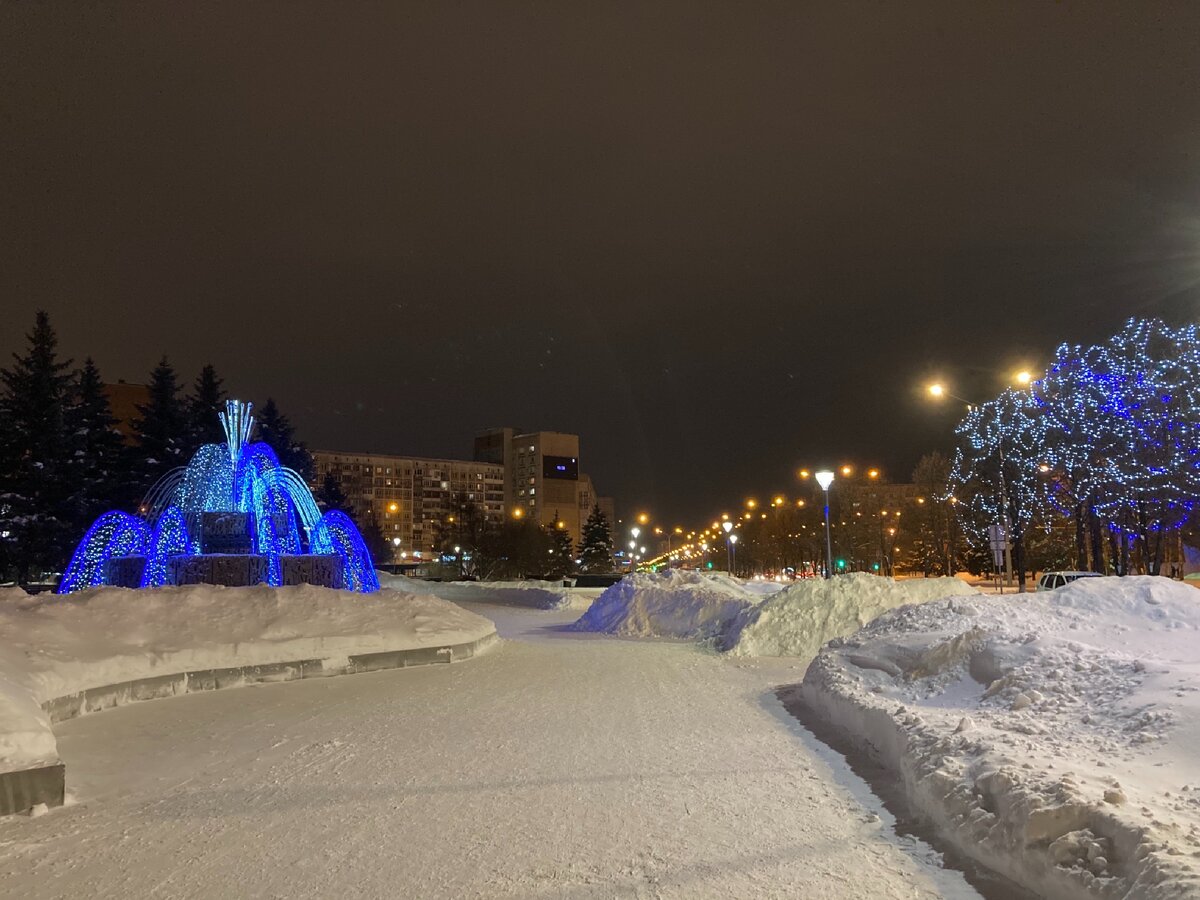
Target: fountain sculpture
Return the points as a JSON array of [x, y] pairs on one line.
[[232, 516]]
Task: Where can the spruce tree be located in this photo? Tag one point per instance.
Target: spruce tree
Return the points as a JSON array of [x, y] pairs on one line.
[[562, 558], [203, 408], [596, 545], [162, 430], [36, 525], [276, 431], [329, 495], [98, 456]]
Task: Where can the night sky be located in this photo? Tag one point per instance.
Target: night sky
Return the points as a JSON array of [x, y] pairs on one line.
[[717, 241]]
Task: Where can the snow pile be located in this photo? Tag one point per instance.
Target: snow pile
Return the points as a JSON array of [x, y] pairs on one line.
[[1051, 736], [801, 618], [675, 603], [532, 593], [55, 646]]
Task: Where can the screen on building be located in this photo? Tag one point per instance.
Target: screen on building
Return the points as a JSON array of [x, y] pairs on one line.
[[560, 467]]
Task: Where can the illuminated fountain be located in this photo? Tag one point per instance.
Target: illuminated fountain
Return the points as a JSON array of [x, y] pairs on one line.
[[232, 516]]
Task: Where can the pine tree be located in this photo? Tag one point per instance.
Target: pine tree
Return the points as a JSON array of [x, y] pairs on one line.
[[276, 431], [162, 430], [596, 546], [35, 482], [562, 555], [98, 455], [375, 541], [329, 495], [203, 409]]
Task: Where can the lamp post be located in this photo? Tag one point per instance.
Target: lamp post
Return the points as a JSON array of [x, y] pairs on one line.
[[635, 531], [728, 527], [938, 390], [825, 479]]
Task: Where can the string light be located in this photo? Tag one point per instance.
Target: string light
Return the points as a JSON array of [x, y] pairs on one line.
[[236, 477]]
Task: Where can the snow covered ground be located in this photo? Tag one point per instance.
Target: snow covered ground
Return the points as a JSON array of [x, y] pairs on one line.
[[54, 646], [1052, 736], [754, 618], [531, 593], [559, 765]]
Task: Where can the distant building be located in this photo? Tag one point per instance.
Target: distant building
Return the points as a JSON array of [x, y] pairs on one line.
[[411, 498], [543, 477], [514, 474]]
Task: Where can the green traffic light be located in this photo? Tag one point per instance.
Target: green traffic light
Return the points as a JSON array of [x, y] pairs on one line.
[[841, 564]]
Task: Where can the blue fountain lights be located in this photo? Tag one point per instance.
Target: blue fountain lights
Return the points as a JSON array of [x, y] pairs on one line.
[[238, 477]]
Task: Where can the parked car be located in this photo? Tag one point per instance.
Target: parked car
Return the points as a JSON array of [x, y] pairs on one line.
[[1051, 580]]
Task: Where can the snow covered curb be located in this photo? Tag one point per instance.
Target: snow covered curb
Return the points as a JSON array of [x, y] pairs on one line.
[[62, 656], [1051, 737]]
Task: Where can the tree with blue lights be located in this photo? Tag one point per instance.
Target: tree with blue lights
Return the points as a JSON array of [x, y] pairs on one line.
[[1000, 447], [36, 521], [1123, 435]]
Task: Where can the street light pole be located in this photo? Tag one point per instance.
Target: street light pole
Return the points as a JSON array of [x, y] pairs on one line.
[[825, 479], [728, 526]]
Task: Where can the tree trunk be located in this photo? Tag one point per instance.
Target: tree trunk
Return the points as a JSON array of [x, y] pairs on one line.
[[1097, 536], [1018, 557], [1081, 555]]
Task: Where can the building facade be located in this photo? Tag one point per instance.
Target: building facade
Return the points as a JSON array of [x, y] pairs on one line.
[[544, 481], [412, 498], [514, 475]]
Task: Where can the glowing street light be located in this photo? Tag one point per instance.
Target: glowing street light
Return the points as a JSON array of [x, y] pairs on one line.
[[727, 526], [825, 479]]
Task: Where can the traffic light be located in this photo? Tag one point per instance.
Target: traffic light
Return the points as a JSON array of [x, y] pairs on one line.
[[841, 564], [708, 565]]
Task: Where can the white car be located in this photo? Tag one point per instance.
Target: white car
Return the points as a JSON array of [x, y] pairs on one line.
[[1051, 580]]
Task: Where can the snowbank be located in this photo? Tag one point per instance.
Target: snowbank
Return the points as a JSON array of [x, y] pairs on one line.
[[675, 604], [54, 646], [748, 620], [532, 593], [1051, 736], [803, 617]]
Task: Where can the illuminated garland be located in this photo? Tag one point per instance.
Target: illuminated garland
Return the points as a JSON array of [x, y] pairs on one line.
[[1010, 427], [1123, 430], [114, 534], [237, 476]]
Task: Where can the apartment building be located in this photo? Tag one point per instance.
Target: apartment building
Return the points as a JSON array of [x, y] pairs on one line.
[[410, 498]]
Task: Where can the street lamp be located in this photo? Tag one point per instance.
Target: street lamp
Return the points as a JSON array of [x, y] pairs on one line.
[[728, 527], [732, 554], [825, 479]]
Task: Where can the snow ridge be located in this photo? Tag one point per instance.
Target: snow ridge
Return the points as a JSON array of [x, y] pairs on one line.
[[1051, 736]]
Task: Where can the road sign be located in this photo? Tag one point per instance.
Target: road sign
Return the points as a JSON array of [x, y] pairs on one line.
[[998, 541]]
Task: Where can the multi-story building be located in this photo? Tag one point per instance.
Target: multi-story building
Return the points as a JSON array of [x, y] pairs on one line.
[[515, 474], [543, 480], [411, 498]]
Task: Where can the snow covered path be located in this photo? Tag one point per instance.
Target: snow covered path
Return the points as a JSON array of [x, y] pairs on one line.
[[557, 765]]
